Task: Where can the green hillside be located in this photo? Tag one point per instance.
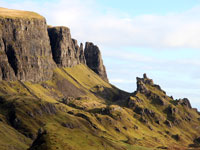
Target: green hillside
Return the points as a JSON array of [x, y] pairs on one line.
[[77, 110]]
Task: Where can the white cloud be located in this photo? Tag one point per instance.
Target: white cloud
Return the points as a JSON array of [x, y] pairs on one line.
[[87, 22], [110, 29]]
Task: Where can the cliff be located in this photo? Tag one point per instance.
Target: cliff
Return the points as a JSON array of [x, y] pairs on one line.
[[29, 51], [65, 50], [25, 52], [94, 60]]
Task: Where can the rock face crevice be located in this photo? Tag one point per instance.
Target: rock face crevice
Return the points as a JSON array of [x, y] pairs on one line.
[[12, 60], [94, 60]]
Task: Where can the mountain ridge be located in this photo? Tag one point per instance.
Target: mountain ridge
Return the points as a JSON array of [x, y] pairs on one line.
[[55, 94], [28, 46]]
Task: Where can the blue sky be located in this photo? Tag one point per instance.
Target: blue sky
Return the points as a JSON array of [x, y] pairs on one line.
[[157, 37], [138, 7]]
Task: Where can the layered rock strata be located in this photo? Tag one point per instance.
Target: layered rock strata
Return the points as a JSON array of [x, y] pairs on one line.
[[25, 52]]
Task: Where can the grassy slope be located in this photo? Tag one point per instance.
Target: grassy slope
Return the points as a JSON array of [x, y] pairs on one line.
[[94, 119], [11, 13]]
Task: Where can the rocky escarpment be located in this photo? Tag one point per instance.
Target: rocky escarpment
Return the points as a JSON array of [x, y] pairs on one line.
[[25, 52], [94, 60], [66, 52], [148, 92], [29, 51]]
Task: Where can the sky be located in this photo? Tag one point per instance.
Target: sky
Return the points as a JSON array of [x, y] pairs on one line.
[[157, 37]]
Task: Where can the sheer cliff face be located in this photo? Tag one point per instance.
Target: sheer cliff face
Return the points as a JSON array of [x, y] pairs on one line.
[[29, 51], [25, 52], [65, 50], [94, 60]]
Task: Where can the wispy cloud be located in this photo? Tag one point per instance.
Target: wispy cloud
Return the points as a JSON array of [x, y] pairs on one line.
[[89, 23], [116, 30]]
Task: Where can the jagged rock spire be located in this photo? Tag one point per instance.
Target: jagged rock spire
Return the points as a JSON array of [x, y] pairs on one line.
[[65, 50], [94, 60]]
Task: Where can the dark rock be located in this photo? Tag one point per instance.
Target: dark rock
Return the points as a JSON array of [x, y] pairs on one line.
[[25, 52], [186, 118], [133, 102], [197, 140], [79, 53], [70, 112], [176, 137], [30, 113], [157, 121], [40, 140], [48, 108], [145, 76], [135, 127], [66, 52], [168, 123], [176, 121], [41, 131], [94, 60], [150, 128], [185, 102], [149, 113], [194, 146], [87, 119], [171, 110], [196, 143], [68, 125], [143, 120], [2, 100], [117, 129], [67, 100], [139, 110], [141, 86], [156, 99], [162, 147], [125, 128], [142, 82]]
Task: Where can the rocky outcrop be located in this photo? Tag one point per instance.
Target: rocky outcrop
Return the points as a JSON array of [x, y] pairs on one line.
[[143, 82], [94, 60], [79, 53], [185, 102], [25, 52], [65, 50]]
